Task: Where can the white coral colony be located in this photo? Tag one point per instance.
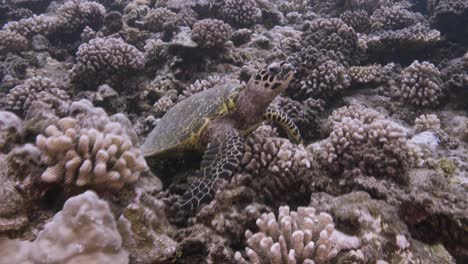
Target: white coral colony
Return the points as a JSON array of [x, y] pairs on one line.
[[88, 157], [295, 237]]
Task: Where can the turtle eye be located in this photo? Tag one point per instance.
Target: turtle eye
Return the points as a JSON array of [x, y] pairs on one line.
[[274, 68]]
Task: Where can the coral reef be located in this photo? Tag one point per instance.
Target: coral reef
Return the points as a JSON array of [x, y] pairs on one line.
[[295, 237], [427, 122], [11, 41], [359, 20], [35, 89], [101, 58], [159, 18], [332, 34], [82, 155], [421, 85], [363, 142], [379, 96], [74, 16], [211, 33], [241, 12], [37, 24], [393, 18], [86, 221]]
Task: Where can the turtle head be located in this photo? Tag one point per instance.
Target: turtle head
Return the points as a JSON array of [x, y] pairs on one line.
[[274, 78]]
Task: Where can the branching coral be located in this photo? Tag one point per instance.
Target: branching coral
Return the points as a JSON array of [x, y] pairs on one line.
[[101, 58], [11, 41], [393, 18], [163, 105], [354, 111], [294, 237], [364, 143], [89, 34], [43, 89], [276, 165], [427, 122], [421, 85], [368, 5], [211, 33], [75, 15], [326, 80], [28, 27], [415, 37], [83, 232], [156, 51], [332, 34], [359, 20], [241, 12], [157, 19], [79, 153], [365, 74]]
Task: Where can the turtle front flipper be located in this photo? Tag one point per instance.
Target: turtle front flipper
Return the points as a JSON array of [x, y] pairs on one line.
[[279, 117], [220, 160]]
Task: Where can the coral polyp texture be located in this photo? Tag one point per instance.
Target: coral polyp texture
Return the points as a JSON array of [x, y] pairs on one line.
[[427, 122], [393, 18], [11, 41], [242, 13], [211, 33], [332, 34], [75, 15], [79, 156], [37, 24], [85, 231], [157, 19], [34, 89], [328, 79], [363, 142], [101, 58], [359, 20], [421, 85], [294, 237]]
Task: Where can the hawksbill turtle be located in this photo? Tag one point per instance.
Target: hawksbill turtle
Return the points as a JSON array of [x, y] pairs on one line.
[[216, 121]]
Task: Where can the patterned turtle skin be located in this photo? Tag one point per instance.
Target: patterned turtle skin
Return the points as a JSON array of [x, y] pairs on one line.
[[215, 121], [180, 128]]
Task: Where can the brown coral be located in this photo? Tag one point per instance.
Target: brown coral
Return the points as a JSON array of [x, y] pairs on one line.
[[11, 41], [421, 85], [366, 143], [38, 88], [75, 15], [101, 58], [157, 19], [211, 33], [241, 12], [28, 27], [332, 34]]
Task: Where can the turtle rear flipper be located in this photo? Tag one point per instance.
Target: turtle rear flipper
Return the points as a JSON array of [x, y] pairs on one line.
[[220, 160]]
